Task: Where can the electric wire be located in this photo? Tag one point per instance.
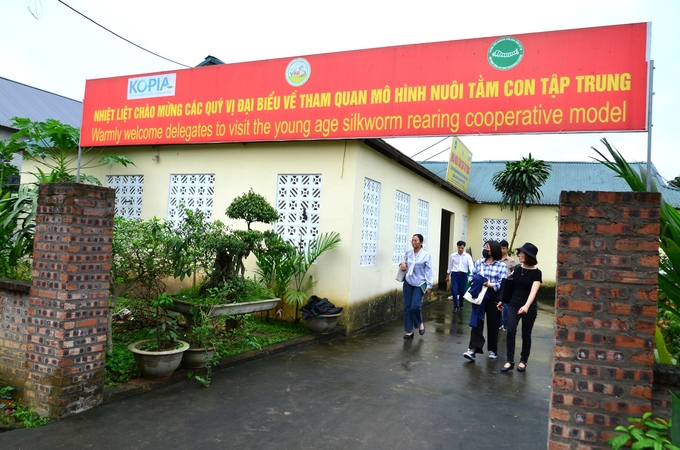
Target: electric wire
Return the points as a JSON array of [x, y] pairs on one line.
[[121, 37], [439, 142]]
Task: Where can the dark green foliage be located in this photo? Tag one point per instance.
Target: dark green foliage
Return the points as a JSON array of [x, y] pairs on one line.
[[520, 185], [646, 432], [252, 207], [54, 145]]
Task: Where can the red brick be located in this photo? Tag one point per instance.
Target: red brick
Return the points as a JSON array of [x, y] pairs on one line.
[[566, 320], [645, 327], [648, 294], [562, 351], [619, 308], [571, 227], [645, 359], [563, 383], [636, 245], [589, 211], [559, 414], [633, 342], [614, 228], [632, 277], [622, 406], [641, 391], [649, 261], [653, 229], [553, 445], [565, 289]]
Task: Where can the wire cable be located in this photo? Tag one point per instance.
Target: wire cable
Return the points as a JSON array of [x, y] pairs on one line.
[[413, 156], [121, 37]]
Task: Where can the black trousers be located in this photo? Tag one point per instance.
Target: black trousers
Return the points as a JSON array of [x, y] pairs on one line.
[[528, 320], [493, 322]]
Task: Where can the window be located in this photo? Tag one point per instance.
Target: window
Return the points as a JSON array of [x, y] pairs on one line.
[[401, 218], [129, 189], [423, 217], [298, 202], [494, 230], [370, 223], [195, 192]]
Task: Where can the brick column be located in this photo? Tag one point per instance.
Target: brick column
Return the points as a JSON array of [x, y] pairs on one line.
[[67, 317], [605, 314]]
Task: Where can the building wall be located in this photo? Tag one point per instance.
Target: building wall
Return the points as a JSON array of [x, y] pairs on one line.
[[539, 226], [343, 166]]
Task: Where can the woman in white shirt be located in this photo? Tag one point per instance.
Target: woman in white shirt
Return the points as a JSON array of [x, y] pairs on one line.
[[418, 281]]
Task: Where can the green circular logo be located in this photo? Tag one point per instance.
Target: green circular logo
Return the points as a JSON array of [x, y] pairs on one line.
[[505, 53]]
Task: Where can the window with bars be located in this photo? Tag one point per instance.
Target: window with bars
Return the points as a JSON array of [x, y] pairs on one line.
[[494, 230], [401, 218], [423, 218], [298, 202], [463, 235], [370, 223], [194, 191], [129, 189]]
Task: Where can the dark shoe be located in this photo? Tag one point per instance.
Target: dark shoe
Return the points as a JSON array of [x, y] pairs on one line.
[[456, 309], [522, 366], [421, 332], [507, 367], [408, 336]]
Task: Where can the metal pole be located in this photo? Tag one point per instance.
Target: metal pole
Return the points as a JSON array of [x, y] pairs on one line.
[[80, 155], [650, 94]]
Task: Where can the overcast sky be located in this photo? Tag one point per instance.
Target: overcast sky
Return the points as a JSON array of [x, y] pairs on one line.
[[58, 50]]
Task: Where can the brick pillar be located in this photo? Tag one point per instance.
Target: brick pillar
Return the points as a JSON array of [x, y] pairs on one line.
[[67, 317], [605, 315]]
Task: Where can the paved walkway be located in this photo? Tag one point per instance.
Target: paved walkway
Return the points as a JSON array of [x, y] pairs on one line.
[[373, 390]]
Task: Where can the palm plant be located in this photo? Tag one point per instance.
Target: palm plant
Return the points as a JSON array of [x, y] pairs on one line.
[[296, 294], [520, 185]]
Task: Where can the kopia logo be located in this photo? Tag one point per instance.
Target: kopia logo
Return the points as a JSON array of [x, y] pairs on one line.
[[152, 86], [298, 72], [505, 53]]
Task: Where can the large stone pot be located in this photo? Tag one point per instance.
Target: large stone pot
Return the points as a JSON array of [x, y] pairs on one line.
[[157, 364], [322, 324], [227, 309]]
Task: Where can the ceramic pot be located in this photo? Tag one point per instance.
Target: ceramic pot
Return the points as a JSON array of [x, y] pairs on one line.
[[157, 364], [322, 324], [195, 358]]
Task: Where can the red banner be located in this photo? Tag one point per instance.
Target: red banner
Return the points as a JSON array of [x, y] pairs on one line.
[[591, 79]]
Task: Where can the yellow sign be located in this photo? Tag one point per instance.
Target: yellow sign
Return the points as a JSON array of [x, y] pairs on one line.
[[460, 160]]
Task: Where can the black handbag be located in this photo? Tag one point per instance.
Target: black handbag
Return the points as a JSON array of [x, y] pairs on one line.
[[506, 290]]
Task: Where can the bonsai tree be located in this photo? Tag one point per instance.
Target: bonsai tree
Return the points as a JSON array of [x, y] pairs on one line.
[[231, 248], [520, 184]]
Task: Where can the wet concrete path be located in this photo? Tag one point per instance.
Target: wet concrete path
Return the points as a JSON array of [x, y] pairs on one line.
[[373, 390]]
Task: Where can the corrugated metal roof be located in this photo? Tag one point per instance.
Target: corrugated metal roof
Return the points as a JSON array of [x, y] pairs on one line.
[[564, 176], [19, 100]]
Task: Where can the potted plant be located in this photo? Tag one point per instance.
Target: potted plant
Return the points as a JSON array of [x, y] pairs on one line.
[[159, 357], [285, 269], [222, 253], [202, 336]]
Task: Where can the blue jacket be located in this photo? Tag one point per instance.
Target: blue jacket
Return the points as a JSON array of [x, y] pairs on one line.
[[477, 312]]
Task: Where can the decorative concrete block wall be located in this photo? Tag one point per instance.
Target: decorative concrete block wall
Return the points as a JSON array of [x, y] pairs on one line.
[[67, 315], [605, 314]]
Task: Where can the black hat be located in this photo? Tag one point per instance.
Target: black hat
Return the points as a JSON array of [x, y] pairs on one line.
[[528, 249]]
